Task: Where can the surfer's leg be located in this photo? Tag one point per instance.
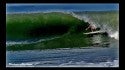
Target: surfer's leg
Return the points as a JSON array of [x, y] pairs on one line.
[[91, 29], [94, 29]]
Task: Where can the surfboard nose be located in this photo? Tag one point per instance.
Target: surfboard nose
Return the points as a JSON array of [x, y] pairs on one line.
[[90, 34]]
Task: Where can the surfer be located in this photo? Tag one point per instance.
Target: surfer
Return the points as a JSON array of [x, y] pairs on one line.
[[92, 27]]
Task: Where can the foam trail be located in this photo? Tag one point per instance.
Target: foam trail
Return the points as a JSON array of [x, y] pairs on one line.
[[8, 43]]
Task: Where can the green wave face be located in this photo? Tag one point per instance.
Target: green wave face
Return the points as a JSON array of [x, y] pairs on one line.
[[35, 25], [67, 26]]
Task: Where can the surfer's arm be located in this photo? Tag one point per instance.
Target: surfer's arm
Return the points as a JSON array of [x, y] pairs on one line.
[[87, 28]]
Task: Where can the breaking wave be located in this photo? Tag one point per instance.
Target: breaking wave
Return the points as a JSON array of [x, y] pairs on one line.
[[104, 27], [87, 18], [113, 33]]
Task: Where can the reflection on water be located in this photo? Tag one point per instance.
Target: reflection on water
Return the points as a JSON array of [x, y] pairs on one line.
[[97, 39], [100, 41]]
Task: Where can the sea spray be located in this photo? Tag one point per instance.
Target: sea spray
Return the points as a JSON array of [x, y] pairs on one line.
[[115, 35], [99, 20]]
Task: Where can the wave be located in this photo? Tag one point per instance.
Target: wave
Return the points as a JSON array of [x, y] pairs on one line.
[[87, 18]]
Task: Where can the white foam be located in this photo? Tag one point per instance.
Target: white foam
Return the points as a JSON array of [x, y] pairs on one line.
[[115, 35], [114, 63]]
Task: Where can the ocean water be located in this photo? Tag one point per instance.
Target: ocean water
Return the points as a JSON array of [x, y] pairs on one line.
[[67, 57], [104, 54], [29, 8]]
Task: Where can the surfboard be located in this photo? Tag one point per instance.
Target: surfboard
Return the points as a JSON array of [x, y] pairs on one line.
[[95, 32]]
